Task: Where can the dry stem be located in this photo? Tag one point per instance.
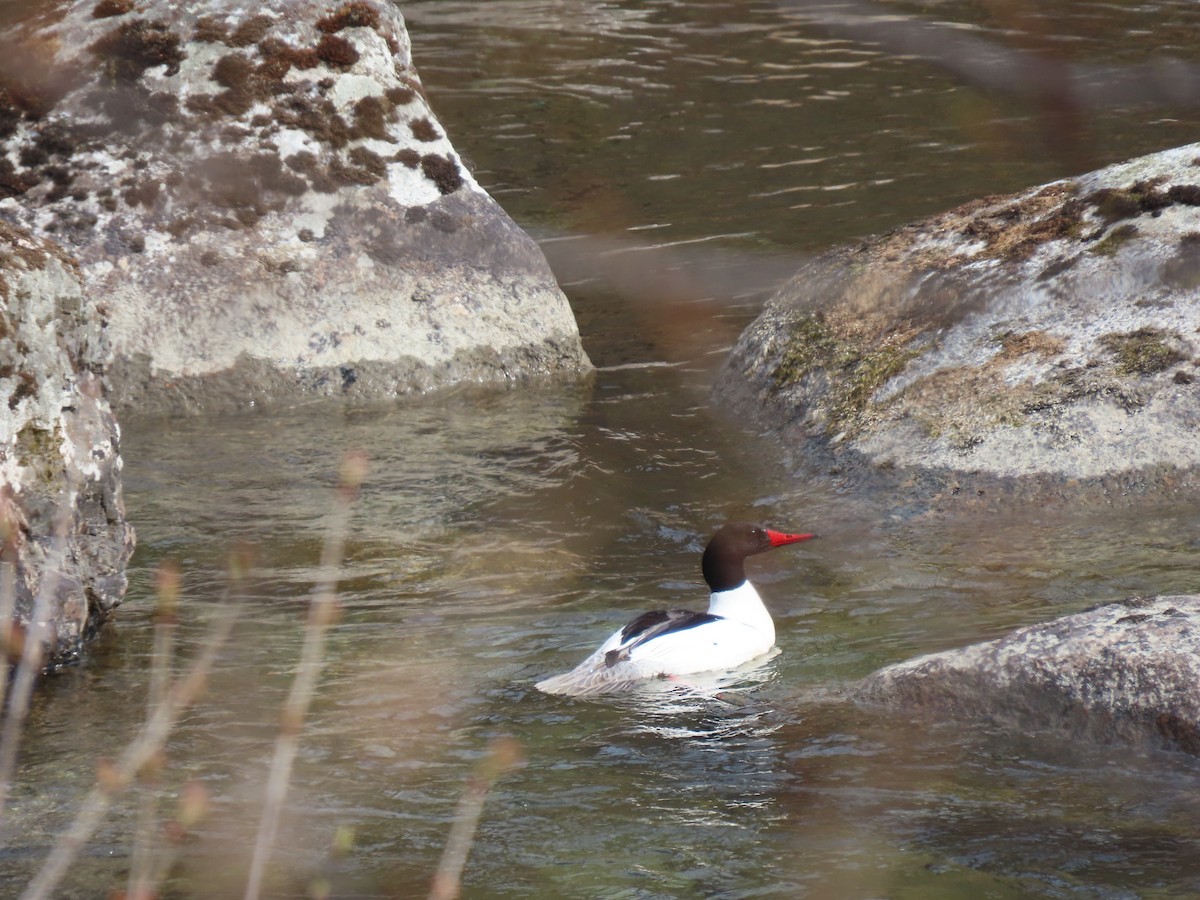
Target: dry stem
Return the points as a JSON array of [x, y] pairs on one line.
[[321, 615], [114, 777], [32, 650], [146, 843], [504, 755]]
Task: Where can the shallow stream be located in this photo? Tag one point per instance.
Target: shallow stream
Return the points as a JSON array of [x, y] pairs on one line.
[[676, 157]]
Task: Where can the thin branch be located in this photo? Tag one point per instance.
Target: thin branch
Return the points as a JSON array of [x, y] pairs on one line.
[[503, 756], [321, 614], [8, 587], [115, 777], [33, 649], [146, 842]]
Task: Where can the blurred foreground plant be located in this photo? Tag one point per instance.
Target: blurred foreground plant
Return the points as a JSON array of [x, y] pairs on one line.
[[155, 849], [155, 845], [503, 756], [27, 647], [322, 613], [114, 776]]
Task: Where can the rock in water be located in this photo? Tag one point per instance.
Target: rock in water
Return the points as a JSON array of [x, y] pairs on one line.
[[1126, 672], [1049, 336], [62, 516], [268, 207]]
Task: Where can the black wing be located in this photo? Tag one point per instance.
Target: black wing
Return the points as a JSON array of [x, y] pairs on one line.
[[653, 624]]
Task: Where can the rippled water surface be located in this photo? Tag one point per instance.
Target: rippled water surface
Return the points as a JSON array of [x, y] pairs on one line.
[[677, 158]]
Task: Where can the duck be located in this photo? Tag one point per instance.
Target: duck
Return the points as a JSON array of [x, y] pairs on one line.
[[668, 643]]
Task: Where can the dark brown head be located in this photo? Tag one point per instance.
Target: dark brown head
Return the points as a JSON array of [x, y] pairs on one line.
[[724, 563]]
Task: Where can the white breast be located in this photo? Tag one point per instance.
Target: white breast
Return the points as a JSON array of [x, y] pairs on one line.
[[744, 632]]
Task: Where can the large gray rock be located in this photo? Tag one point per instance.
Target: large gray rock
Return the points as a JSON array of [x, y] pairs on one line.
[[1050, 334], [61, 511], [1126, 672], [265, 201]]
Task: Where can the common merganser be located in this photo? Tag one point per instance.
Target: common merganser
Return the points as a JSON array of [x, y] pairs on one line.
[[667, 642]]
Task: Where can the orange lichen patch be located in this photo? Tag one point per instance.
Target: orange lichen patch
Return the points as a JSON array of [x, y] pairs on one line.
[[1014, 346], [336, 52], [442, 171], [106, 9], [351, 15], [1016, 230], [251, 31], [133, 47]]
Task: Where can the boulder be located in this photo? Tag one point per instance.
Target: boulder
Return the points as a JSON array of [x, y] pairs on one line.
[[1050, 336], [1127, 672], [265, 201], [62, 517]]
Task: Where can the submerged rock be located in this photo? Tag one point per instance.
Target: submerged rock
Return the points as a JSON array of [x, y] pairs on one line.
[[267, 205], [62, 517], [1127, 672], [1046, 335]]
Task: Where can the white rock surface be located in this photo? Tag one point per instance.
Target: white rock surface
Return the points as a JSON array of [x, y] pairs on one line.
[[1127, 672], [1050, 333], [267, 205], [61, 511]]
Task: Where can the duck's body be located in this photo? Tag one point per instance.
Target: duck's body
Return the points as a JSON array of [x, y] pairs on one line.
[[736, 628]]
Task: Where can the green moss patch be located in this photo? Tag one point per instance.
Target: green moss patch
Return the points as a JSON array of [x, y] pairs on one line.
[[1142, 352], [357, 15], [351, 15], [1115, 239], [442, 171], [1115, 204], [854, 365], [1014, 231], [336, 52], [39, 451]]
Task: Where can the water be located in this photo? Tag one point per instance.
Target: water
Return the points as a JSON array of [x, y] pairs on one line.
[[500, 536]]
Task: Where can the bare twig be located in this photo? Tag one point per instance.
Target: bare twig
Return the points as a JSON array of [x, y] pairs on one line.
[[146, 843], [9, 648], [321, 614], [193, 806], [33, 649], [115, 777], [503, 756]]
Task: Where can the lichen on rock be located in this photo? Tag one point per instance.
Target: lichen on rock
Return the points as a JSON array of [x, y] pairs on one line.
[[1052, 334], [265, 182], [1120, 672], [62, 517]]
